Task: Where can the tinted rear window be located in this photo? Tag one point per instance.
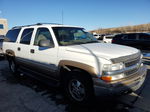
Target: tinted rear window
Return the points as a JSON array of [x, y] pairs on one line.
[[12, 35]]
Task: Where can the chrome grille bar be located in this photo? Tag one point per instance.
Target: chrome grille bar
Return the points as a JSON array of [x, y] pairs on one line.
[[127, 58]]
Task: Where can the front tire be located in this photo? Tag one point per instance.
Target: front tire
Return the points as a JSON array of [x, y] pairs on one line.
[[79, 87]]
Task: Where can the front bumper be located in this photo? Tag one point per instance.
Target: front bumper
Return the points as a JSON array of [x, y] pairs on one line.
[[130, 83]]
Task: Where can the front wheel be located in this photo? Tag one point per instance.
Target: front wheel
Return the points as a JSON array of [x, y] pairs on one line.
[[79, 88]]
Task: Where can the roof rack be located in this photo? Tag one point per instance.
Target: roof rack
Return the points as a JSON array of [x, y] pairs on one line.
[[48, 23], [36, 24]]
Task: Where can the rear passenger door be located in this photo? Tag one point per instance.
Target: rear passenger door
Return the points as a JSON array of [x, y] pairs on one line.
[[44, 58], [10, 40], [23, 48]]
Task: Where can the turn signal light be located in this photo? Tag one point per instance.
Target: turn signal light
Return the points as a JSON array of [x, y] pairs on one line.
[[106, 78]]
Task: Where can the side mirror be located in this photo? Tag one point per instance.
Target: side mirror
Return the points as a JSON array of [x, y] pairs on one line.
[[45, 43]]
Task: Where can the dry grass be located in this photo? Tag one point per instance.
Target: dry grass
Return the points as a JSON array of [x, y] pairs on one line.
[[125, 29]]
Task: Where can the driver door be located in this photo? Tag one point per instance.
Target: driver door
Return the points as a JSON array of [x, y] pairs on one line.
[[44, 58]]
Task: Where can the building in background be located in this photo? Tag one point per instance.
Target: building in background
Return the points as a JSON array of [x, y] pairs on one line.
[[3, 26]]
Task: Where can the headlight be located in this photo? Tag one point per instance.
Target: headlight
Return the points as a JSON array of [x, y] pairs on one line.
[[113, 67]]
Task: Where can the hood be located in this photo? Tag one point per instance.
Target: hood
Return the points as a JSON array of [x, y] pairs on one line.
[[103, 50]]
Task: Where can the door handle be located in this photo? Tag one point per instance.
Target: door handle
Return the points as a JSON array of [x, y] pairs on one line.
[[32, 50], [18, 48]]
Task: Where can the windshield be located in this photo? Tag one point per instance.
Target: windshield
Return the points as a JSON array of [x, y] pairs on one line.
[[70, 36]]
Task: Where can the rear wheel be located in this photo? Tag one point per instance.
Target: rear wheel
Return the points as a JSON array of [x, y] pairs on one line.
[[13, 67]]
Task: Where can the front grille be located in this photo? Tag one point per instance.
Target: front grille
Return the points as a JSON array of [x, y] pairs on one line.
[[127, 58], [131, 63], [131, 71]]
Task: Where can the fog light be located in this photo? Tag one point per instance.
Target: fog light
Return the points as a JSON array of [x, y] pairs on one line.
[[112, 78]]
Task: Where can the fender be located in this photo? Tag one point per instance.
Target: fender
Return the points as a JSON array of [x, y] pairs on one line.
[[79, 65], [10, 52]]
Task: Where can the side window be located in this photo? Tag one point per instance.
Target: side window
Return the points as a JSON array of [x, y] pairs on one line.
[[26, 36], [1, 26], [132, 37], [129, 37], [12, 35], [144, 37], [43, 34], [100, 38], [124, 37]]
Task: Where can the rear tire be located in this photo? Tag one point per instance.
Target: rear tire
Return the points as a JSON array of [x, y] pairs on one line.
[[13, 67]]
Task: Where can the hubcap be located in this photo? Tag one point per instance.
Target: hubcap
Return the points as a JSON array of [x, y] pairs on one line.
[[77, 90]]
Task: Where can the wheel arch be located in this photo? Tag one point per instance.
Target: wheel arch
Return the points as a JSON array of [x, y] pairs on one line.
[[9, 54], [68, 66]]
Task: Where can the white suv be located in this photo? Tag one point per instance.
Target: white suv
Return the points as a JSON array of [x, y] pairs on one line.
[[71, 57]]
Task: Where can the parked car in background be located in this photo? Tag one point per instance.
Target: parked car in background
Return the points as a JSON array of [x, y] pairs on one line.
[[1, 42], [96, 35], [106, 38], [137, 40]]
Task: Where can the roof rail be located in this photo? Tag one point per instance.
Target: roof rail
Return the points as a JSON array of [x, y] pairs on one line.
[[35, 24], [48, 23]]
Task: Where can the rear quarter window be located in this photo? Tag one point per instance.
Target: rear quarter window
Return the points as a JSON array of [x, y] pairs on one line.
[[12, 35]]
